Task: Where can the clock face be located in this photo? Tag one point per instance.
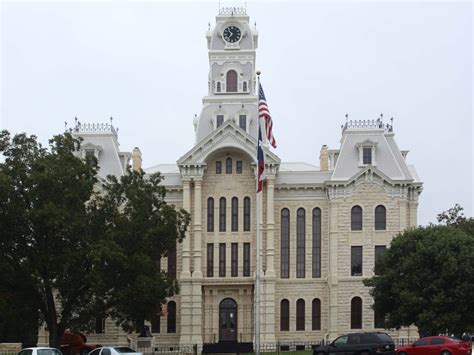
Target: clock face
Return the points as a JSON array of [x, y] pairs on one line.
[[232, 34]]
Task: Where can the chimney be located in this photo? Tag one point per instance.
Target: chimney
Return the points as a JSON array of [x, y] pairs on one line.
[[137, 159], [324, 158]]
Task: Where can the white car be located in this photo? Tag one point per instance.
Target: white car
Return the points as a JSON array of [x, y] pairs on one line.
[[114, 350], [40, 351]]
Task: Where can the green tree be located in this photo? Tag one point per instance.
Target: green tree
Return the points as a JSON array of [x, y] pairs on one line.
[[78, 248], [425, 278], [137, 227]]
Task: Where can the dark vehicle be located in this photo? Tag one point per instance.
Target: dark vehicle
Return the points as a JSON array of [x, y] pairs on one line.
[[73, 343], [359, 344]]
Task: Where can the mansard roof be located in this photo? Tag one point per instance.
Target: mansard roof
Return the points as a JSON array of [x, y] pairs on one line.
[[388, 157], [103, 137]]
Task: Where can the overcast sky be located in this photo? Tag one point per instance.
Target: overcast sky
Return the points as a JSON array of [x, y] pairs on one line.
[[146, 64]]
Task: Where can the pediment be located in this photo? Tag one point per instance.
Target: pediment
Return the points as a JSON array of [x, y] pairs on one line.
[[371, 173], [228, 136], [89, 145]]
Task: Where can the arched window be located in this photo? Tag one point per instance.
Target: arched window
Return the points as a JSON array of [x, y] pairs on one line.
[[316, 267], [228, 166], [231, 81], [285, 244], [300, 314], [246, 214], [284, 315], [380, 218], [300, 242], [356, 218], [171, 324], [316, 314], [235, 214], [218, 89], [244, 86], [210, 214], [222, 214], [356, 313]]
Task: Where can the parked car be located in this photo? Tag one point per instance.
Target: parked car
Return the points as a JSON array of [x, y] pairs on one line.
[[40, 351], [360, 344], [436, 345], [74, 343], [114, 350]]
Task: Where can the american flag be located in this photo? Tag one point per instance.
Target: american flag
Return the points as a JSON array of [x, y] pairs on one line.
[[260, 160], [264, 112]]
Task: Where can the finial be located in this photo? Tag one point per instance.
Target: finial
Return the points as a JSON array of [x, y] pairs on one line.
[[195, 115], [75, 119], [209, 26], [258, 72], [111, 119], [347, 116], [381, 115], [65, 125], [255, 24], [391, 120]]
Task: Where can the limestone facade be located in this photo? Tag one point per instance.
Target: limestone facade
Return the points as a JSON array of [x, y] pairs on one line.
[[306, 220]]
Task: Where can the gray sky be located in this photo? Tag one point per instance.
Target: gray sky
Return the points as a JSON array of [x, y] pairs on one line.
[[146, 64]]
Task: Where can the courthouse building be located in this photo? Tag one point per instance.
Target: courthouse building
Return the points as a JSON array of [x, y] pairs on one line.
[[322, 227]]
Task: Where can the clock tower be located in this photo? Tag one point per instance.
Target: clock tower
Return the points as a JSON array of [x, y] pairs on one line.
[[232, 45]]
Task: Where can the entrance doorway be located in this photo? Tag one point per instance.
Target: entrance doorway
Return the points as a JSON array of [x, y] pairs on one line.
[[228, 320]]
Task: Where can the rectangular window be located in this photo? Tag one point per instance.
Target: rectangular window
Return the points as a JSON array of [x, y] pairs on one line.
[[234, 214], [379, 320], [218, 167], [155, 323], [316, 265], [234, 257], [90, 153], [243, 122], [238, 167], [300, 243], [219, 120], [100, 325], [210, 260], [246, 259], [221, 259], [367, 155], [172, 263], [379, 251], [356, 261]]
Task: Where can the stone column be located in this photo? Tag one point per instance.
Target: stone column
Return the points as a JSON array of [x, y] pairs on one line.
[[197, 225], [268, 281], [185, 284], [270, 252], [197, 296], [186, 249], [333, 276]]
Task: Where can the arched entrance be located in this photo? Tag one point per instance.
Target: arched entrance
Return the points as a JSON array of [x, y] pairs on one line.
[[228, 320]]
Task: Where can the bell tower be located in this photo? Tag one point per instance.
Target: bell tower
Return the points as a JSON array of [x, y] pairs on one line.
[[232, 45]]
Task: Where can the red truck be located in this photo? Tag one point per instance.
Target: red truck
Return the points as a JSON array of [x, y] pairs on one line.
[[74, 343]]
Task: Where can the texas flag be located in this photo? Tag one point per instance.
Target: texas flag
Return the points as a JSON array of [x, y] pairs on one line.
[[260, 159]]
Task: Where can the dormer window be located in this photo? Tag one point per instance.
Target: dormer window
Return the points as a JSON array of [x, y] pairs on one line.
[[219, 120], [367, 153], [243, 122], [231, 81], [89, 153]]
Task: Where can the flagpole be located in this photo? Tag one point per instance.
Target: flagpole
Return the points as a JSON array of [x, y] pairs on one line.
[[257, 272]]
